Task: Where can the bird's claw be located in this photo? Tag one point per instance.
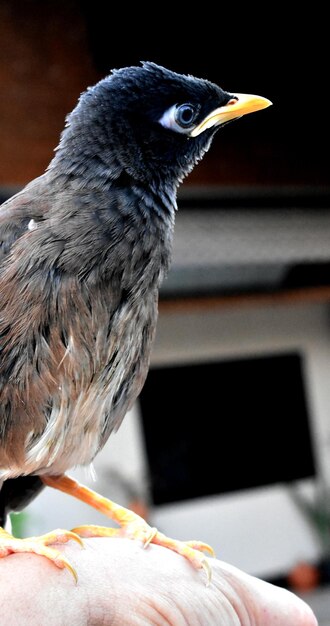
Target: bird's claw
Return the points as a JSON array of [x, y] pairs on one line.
[[40, 545], [201, 546], [149, 537], [208, 571]]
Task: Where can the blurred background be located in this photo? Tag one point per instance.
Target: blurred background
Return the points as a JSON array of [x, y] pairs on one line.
[[241, 366]]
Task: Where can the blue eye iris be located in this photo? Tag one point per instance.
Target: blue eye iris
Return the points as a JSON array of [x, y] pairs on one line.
[[185, 115]]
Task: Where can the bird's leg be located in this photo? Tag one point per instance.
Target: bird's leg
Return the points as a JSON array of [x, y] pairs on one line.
[[39, 545], [131, 525]]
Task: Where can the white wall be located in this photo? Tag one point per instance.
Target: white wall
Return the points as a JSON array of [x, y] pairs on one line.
[[260, 530]]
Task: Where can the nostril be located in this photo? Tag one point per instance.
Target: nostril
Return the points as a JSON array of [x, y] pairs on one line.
[[232, 101]]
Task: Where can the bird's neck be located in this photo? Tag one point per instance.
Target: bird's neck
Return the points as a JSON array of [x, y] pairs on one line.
[[88, 169], [83, 170]]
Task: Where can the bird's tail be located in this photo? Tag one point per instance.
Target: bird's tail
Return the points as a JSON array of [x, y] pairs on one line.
[[17, 493]]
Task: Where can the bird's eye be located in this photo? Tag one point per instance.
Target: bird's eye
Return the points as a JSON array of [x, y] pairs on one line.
[[180, 117], [185, 115]]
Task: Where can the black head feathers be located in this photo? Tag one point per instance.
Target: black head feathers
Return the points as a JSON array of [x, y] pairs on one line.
[[146, 121]]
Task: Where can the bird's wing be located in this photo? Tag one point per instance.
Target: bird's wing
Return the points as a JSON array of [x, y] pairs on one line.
[[18, 316], [53, 321], [17, 215], [67, 319]]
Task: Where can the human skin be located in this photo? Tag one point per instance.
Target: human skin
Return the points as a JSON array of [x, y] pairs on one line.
[[122, 584]]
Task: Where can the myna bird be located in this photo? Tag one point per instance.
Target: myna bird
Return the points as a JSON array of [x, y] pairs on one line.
[[84, 249]]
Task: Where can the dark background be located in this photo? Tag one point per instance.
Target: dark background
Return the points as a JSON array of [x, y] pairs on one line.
[[51, 51], [230, 425], [281, 56]]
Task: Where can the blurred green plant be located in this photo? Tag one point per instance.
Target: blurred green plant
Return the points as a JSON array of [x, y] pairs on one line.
[[18, 523], [316, 509]]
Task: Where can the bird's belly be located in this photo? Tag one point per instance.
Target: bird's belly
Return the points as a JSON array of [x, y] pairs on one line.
[[91, 400], [70, 438]]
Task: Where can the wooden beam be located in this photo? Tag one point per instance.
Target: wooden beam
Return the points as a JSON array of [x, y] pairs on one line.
[[306, 295], [44, 65]]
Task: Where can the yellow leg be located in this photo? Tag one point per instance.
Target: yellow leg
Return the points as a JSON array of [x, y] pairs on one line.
[[39, 545], [131, 525]]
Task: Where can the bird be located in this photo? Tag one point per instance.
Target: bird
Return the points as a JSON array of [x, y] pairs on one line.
[[84, 249]]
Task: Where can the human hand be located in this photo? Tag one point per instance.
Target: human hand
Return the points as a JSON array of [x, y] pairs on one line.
[[121, 584]]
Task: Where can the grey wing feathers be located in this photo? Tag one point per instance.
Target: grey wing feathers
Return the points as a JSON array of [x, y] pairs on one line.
[[17, 215]]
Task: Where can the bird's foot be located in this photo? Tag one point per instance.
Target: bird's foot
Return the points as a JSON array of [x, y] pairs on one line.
[[131, 525], [136, 528], [39, 545]]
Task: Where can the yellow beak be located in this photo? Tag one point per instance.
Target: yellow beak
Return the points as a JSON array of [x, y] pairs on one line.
[[240, 104]]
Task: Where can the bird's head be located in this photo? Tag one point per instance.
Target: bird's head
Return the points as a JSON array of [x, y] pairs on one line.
[[150, 122]]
